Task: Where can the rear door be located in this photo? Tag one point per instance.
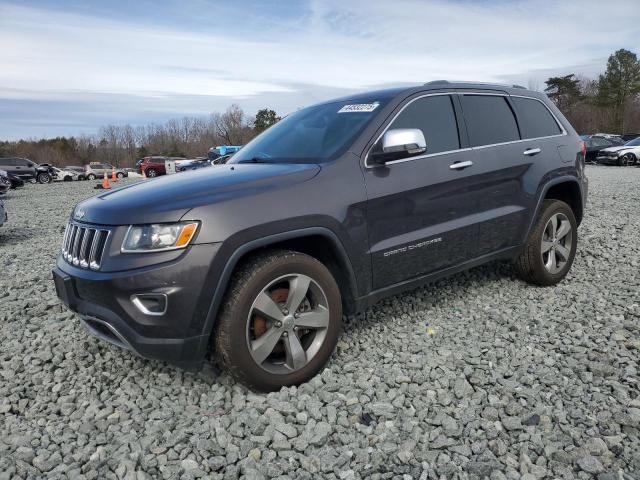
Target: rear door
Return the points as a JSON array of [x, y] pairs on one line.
[[500, 165]]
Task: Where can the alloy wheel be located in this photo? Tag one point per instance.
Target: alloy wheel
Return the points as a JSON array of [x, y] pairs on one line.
[[287, 324], [557, 240]]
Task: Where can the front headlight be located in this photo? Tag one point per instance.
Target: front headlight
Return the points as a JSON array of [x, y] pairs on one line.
[[158, 237]]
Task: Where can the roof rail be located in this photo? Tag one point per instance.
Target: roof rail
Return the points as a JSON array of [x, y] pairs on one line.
[[488, 84], [438, 82]]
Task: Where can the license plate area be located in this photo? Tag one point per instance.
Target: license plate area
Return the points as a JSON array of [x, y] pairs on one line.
[[64, 288]]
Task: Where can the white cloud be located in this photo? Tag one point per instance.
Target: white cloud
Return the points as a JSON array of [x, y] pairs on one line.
[[48, 54]]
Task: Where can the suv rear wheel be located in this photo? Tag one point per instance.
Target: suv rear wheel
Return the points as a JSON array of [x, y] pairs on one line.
[[280, 321], [551, 246], [151, 173]]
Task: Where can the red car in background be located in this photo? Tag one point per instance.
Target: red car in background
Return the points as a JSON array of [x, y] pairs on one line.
[[153, 166]]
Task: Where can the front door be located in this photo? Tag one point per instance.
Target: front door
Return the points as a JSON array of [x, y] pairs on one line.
[[420, 209]]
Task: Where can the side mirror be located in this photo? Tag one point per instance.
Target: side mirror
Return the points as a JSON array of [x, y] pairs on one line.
[[399, 143]]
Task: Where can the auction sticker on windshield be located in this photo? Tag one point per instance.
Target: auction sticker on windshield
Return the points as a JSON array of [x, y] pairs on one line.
[[359, 107]]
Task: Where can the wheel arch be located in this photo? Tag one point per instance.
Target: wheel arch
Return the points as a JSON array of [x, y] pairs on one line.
[[318, 242], [565, 188]]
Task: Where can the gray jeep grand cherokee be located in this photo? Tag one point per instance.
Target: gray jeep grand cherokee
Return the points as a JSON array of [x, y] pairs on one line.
[[335, 207]]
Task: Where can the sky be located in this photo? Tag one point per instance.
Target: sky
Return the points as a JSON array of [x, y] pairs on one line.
[[68, 67]]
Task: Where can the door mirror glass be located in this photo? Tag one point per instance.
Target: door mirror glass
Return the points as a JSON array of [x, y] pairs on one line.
[[399, 143]]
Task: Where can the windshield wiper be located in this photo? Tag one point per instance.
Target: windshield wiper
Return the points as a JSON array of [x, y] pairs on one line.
[[255, 160]]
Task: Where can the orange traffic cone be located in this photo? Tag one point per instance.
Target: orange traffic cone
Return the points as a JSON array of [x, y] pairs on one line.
[[144, 175], [113, 175], [105, 182]]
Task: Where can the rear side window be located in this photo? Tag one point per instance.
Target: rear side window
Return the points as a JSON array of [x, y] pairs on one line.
[[436, 118], [535, 118], [489, 119]]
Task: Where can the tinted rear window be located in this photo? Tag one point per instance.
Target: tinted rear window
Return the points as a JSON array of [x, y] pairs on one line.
[[535, 119], [437, 120], [489, 119]]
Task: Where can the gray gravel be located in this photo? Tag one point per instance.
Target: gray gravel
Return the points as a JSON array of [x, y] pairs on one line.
[[479, 375]]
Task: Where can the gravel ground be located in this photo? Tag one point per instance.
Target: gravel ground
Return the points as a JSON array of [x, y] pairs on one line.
[[479, 375]]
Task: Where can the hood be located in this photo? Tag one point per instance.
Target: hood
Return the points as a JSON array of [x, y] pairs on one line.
[[617, 149], [169, 197]]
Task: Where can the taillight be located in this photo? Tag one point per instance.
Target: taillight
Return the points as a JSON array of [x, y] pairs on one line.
[[583, 148]]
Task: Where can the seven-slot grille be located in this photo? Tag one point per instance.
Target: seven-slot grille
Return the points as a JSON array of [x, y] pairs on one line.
[[84, 246]]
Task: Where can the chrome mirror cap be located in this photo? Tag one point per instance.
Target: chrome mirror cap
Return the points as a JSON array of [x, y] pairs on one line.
[[409, 140]]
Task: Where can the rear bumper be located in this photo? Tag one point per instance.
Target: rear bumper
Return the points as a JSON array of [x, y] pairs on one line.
[[104, 302]]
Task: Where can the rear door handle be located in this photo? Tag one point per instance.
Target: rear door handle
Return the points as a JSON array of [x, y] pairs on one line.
[[532, 151], [460, 165]]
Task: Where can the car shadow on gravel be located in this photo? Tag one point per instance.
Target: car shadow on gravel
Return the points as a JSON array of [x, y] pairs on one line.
[[438, 293], [16, 235]]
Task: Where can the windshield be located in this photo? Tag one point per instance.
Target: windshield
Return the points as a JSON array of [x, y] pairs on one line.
[[312, 135], [633, 143]]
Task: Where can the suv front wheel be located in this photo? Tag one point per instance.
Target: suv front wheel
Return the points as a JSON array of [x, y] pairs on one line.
[[551, 246], [280, 321]]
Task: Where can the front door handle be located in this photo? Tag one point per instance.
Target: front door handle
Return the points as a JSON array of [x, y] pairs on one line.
[[532, 151], [460, 165]]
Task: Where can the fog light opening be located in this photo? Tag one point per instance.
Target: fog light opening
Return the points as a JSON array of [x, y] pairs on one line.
[[151, 303]]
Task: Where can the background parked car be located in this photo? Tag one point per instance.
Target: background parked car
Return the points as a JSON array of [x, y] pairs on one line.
[[153, 166], [26, 169], [596, 143], [5, 183], [3, 214], [97, 170], [16, 182], [627, 154], [65, 175], [79, 170], [221, 150], [192, 164]]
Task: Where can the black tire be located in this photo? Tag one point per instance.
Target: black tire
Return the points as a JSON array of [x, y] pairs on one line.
[[120, 175], [91, 176], [43, 178], [231, 336], [152, 173], [628, 159], [530, 265]]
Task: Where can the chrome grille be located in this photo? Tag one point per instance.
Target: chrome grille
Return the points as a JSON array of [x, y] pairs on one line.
[[84, 246]]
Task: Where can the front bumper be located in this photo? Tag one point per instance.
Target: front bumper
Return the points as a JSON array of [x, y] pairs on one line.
[[104, 301]]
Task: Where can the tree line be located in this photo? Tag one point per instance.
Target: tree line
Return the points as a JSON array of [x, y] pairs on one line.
[[610, 103], [122, 145]]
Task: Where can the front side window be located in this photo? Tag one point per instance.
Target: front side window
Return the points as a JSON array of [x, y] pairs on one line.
[[435, 116], [535, 118], [312, 135], [489, 119]]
